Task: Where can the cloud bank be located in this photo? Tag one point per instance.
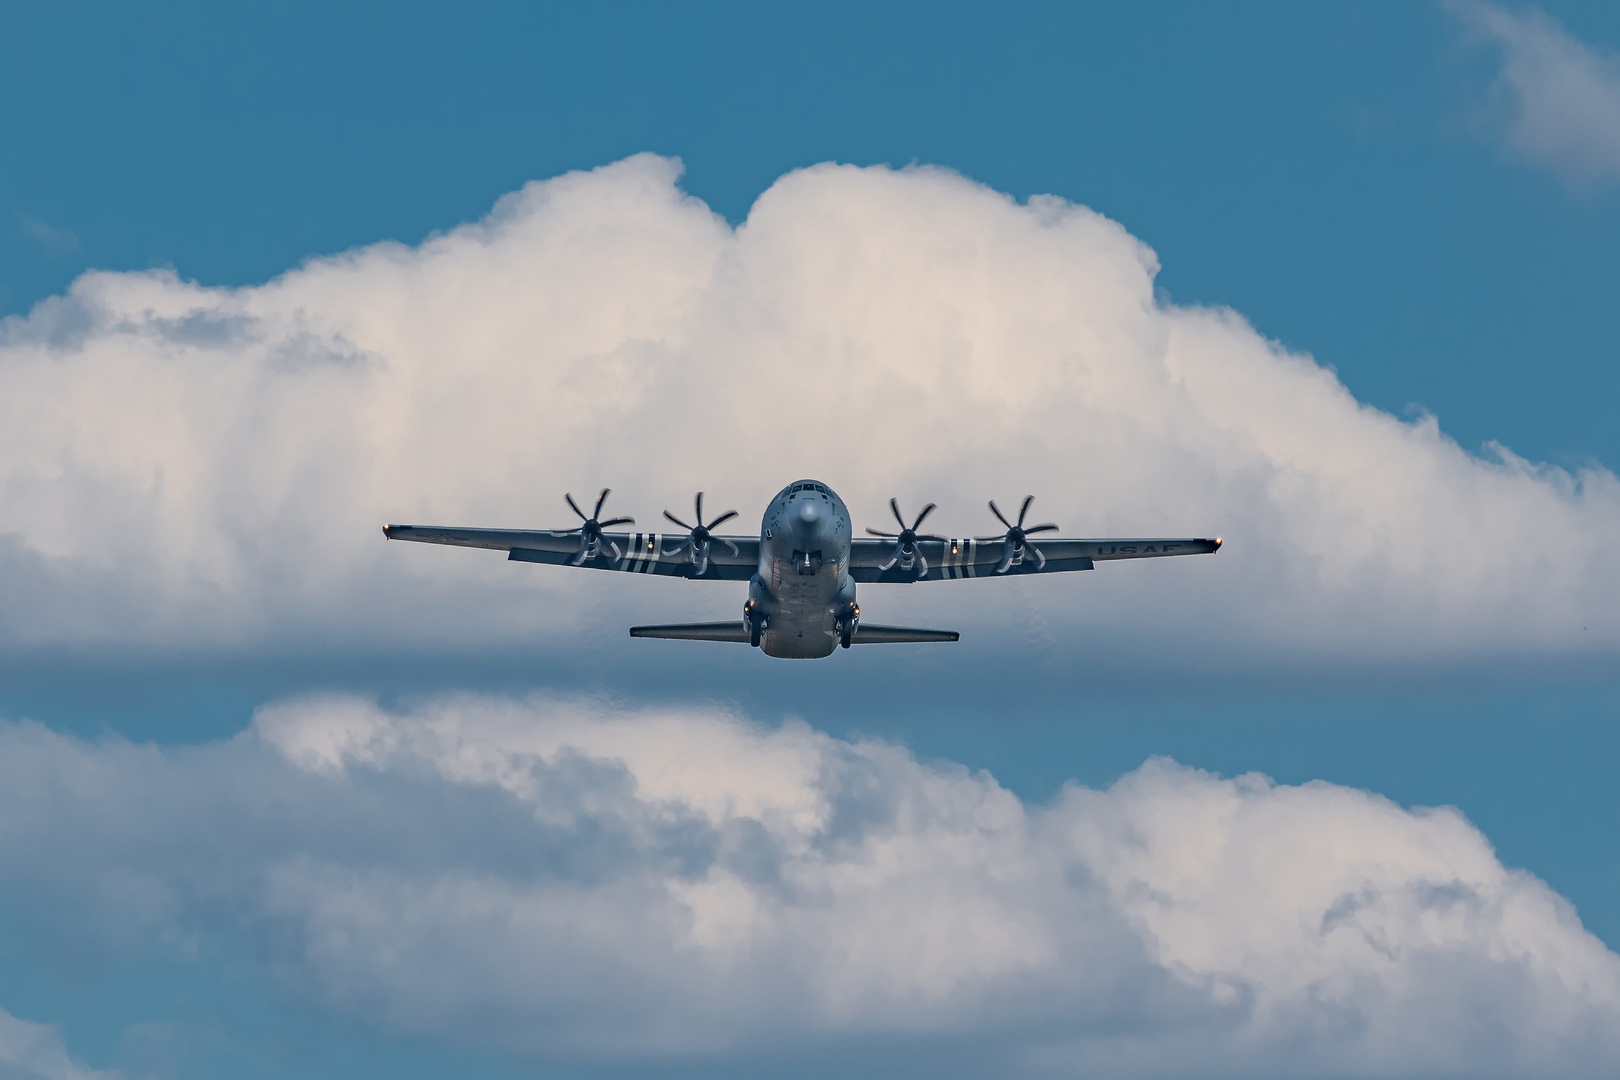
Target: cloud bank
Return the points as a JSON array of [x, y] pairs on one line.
[[186, 468], [574, 882], [1556, 99]]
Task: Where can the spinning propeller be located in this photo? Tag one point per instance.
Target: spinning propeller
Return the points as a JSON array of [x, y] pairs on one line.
[[1015, 547], [590, 532], [905, 548], [698, 536]]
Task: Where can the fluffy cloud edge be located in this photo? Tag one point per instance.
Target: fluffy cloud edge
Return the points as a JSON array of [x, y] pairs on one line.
[[34, 1051], [575, 881], [1556, 98], [191, 469]]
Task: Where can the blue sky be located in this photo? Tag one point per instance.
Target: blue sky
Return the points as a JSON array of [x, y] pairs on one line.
[[1321, 171], [1422, 199]]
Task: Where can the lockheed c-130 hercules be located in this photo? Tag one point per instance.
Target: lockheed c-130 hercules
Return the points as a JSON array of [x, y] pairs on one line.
[[803, 566]]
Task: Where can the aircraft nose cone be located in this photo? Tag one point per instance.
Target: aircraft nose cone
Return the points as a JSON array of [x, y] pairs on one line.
[[806, 521]]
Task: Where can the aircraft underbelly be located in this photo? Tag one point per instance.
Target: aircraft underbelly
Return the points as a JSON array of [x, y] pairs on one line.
[[802, 625]]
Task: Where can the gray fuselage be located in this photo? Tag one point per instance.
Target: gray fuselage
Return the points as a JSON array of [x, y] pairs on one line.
[[802, 599]]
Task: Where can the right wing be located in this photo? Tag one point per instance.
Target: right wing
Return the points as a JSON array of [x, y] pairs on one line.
[[639, 553], [955, 559]]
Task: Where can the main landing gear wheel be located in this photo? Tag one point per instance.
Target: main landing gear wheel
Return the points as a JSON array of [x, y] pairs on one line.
[[846, 626]]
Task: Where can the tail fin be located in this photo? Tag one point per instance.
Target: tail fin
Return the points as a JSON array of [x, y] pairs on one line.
[[696, 631], [865, 633], [872, 634]]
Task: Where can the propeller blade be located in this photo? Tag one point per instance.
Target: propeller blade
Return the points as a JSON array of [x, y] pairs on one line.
[[699, 552], [999, 518], [1040, 560], [1024, 509], [1006, 557], [735, 552], [922, 566], [616, 521], [879, 532], [563, 532], [915, 525], [894, 504], [617, 554], [890, 563], [1040, 528], [600, 499], [575, 507]]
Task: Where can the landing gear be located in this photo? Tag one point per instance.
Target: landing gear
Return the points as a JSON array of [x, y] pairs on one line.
[[756, 622], [846, 626]]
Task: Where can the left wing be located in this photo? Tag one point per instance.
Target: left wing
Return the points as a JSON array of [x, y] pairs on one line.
[[969, 558], [639, 553]]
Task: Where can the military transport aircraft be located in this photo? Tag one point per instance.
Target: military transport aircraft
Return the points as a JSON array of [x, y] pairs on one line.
[[803, 566]]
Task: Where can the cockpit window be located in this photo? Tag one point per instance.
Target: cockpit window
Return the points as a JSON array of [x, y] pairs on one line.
[[796, 489]]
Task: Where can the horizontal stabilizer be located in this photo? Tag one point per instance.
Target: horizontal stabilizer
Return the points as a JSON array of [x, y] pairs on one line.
[[871, 634], [696, 631]]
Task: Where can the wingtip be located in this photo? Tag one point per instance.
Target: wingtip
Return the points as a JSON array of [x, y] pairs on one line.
[[1217, 543]]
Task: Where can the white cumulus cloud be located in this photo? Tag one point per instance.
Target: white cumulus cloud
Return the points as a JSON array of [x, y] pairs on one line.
[[1556, 98], [189, 468], [570, 881]]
